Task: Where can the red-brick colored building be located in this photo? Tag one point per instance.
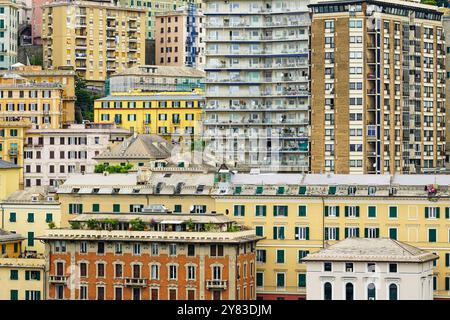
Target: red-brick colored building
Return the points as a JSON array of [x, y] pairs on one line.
[[150, 256]]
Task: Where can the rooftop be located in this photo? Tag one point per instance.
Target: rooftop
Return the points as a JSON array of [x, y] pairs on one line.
[[168, 71], [141, 146], [81, 129], [404, 3], [22, 262], [6, 236], [36, 194], [375, 250], [159, 96], [7, 165]]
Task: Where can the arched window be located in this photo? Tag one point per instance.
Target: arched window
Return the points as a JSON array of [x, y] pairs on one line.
[[327, 291], [393, 292], [371, 291], [349, 291]]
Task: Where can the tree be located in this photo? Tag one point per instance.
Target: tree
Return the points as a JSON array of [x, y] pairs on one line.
[[430, 2], [84, 105]]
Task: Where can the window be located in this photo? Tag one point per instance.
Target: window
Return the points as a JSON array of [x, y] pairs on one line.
[[302, 254], [261, 256], [301, 280], [191, 273], [280, 280], [14, 295], [392, 212], [172, 272], [432, 212], [432, 235], [349, 267], [48, 217], [12, 217], [280, 256], [371, 232], [327, 266], [30, 217], [392, 267], [83, 269], [331, 211], [191, 250], [301, 233], [239, 210], [216, 250], [14, 275], [371, 291], [100, 270], [172, 249], [118, 248], [259, 231], [371, 267], [352, 211], [302, 211], [260, 211], [136, 249], [101, 248], [154, 272], [349, 291], [327, 291], [259, 279], [30, 239], [95, 207], [278, 233], [393, 291], [280, 211]]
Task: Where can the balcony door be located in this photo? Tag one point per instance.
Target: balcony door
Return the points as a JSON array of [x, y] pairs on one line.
[[216, 295]]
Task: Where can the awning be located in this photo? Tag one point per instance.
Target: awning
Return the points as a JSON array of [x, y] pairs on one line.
[[171, 222]]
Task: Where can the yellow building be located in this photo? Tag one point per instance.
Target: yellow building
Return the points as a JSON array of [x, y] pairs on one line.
[[167, 114], [65, 78], [9, 178], [297, 213], [95, 38], [30, 212], [21, 276]]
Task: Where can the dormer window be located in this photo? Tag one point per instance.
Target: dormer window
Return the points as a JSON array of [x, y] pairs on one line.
[[50, 199], [259, 190], [302, 190], [116, 190], [95, 190], [280, 190], [34, 199], [392, 191], [351, 190], [75, 190], [135, 190], [200, 188], [237, 190], [167, 175], [372, 190]]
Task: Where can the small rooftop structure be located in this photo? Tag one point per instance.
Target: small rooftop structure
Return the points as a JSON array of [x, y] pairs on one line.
[[6, 237], [371, 250], [7, 165]]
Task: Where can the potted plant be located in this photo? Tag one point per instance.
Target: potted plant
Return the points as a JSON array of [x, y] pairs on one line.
[[51, 225], [190, 225], [73, 225]]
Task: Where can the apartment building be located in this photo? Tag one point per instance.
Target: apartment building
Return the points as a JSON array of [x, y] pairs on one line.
[[95, 38], [157, 79], [22, 276], [179, 37], [51, 155], [152, 256], [378, 87], [9, 178], [297, 214], [257, 83], [40, 103], [35, 74], [30, 212], [153, 8], [370, 269], [168, 114], [446, 26], [9, 31]]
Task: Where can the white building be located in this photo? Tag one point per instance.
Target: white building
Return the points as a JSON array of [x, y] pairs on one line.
[[51, 155], [370, 269], [9, 26], [257, 83]]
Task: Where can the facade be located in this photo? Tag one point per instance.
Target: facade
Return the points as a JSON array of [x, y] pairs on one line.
[[297, 214], [9, 178], [378, 87], [9, 28], [167, 257], [153, 7], [446, 26], [11, 244], [40, 103], [179, 37], [30, 212], [64, 78], [51, 155], [370, 269], [163, 113], [257, 83], [139, 150], [100, 39], [157, 79]]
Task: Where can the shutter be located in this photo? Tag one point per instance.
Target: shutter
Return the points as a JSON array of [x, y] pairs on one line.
[[337, 211], [377, 232], [307, 233], [81, 208], [447, 283], [426, 212], [131, 208], [70, 208], [326, 233], [346, 233], [366, 232], [275, 236], [337, 233], [38, 275], [438, 211], [242, 210], [326, 211], [286, 211], [275, 211], [38, 295], [346, 211], [357, 211], [296, 233], [27, 275], [264, 210], [447, 259], [27, 295], [357, 232], [447, 213]]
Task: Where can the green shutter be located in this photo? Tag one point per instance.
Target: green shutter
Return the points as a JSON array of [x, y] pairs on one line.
[[377, 232], [438, 212], [326, 211], [346, 211], [237, 190], [372, 212], [116, 208], [27, 275], [302, 190], [326, 233], [38, 275], [30, 239], [432, 235], [259, 279], [447, 259], [302, 211], [357, 211], [12, 217], [392, 212], [280, 256], [70, 208], [447, 213], [393, 233], [346, 233], [357, 232], [275, 235], [366, 232], [426, 212], [48, 217], [307, 233], [95, 207], [302, 280], [337, 211], [337, 233], [264, 210], [259, 231], [447, 283], [27, 295], [14, 295]]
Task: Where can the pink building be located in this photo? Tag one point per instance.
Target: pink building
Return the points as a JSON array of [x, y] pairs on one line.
[[36, 20]]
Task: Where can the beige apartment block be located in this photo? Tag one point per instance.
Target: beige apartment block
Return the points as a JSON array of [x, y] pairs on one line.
[[179, 38], [377, 87], [97, 39]]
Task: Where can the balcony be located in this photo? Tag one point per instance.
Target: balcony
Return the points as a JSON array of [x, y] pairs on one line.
[[58, 279], [216, 284], [135, 282], [13, 152]]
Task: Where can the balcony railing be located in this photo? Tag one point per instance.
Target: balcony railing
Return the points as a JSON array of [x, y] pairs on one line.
[[58, 279], [136, 282], [216, 284]]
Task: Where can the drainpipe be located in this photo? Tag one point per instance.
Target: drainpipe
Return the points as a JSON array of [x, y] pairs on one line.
[[323, 222]]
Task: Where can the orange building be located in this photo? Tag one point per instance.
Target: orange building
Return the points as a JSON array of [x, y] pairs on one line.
[[153, 255]]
